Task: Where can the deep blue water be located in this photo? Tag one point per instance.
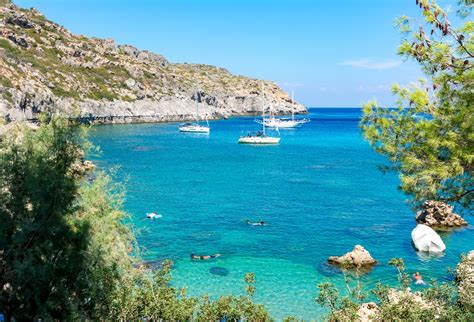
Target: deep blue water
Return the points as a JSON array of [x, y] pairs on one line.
[[320, 191]]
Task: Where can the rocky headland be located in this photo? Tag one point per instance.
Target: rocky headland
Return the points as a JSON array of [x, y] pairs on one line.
[[46, 68]]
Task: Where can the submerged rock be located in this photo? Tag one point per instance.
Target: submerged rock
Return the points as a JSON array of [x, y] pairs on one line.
[[221, 271], [426, 239], [439, 214], [359, 256], [465, 279]]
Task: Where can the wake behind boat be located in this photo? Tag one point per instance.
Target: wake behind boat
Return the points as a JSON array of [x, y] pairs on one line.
[[195, 127]]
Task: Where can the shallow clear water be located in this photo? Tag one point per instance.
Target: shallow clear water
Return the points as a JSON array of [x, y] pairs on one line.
[[320, 191]]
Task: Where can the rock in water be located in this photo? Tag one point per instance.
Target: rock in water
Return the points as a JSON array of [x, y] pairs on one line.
[[426, 239], [359, 256], [221, 271], [439, 214], [465, 280]]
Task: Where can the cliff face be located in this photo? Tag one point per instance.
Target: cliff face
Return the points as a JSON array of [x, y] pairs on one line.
[[44, 67]]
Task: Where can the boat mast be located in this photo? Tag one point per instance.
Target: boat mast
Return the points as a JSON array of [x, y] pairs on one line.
[[197, 106], [263, 108], [292, 107]]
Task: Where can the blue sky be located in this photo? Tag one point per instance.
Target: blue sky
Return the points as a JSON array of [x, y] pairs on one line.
[[332, 53]]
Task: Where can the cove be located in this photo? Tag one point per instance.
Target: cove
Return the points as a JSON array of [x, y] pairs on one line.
[[319, 190]]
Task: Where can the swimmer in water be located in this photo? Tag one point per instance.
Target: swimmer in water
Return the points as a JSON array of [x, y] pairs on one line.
[[256, 223], [204, 257], [418, 279], [153, 215]]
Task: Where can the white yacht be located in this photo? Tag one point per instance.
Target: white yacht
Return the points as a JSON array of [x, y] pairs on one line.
[[284, 122], [260, 137], [195, 127]]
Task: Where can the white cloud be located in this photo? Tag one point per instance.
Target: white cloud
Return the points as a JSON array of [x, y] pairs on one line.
[[366, 63]]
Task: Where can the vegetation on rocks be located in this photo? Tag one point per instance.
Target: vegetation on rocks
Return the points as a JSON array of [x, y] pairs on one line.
[[439, 302], [429, 136], [46, 68]]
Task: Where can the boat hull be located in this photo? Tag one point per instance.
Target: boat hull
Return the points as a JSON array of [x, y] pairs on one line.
[[194, 129], [282, 123], [259, 140]]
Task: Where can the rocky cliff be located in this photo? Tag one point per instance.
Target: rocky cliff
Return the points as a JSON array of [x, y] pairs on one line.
[[46, 68]]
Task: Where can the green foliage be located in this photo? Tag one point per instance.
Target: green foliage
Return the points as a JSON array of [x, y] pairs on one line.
[[8, 96], [61, 92], [250, 280], [5, 82], [341, 308], [148, 294], [403, 277], [102, 92], [429, 136], [65, 252], [42, 245]]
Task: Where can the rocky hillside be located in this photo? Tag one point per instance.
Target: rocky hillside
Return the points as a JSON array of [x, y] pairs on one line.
[[44, 67]]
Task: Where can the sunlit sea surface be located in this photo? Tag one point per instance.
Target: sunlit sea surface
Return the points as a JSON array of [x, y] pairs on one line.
[[319, 190]]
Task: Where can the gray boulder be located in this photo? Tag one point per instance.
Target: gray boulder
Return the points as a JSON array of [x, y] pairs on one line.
[[20, 20]]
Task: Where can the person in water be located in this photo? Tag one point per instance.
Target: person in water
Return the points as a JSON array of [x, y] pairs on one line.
[[419, 279], [204, 257], [256, 223], [153, 215]]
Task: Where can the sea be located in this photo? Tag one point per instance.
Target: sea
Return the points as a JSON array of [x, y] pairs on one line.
[[320, 192]]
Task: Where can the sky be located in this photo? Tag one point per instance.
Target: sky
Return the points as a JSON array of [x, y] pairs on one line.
[[332, 53]]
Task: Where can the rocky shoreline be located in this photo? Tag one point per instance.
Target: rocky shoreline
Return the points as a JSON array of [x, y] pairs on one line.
[[44, 68]]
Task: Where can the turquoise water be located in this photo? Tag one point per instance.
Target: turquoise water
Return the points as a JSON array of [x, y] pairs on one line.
[[320, 191]]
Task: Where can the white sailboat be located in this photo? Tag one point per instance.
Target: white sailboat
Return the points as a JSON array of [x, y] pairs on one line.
[[195, 127], [283, 123], [260, 137]]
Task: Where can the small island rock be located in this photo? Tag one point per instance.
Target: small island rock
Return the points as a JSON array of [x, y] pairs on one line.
[[439, 214], [359, 256]]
